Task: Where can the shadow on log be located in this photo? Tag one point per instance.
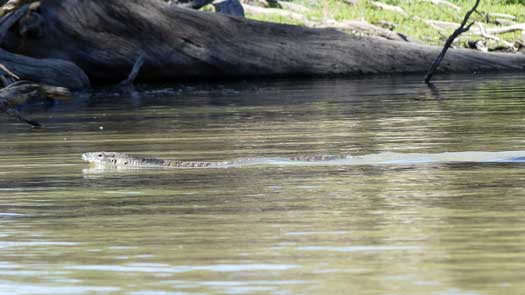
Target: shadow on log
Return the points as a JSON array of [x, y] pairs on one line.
[[104, 38]]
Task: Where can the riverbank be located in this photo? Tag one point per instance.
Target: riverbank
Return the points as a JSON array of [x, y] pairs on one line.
[[499, 24]]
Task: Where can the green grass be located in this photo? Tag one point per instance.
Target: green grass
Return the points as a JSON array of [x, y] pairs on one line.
[[412, 24]]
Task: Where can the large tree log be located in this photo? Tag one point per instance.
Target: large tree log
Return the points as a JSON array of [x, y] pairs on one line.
[[105, 37], [47, 71], [51, 71]]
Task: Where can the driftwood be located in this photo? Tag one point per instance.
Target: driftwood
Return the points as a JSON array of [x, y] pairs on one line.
[[72, 42], [508, 29], [208, 45], [485, 34], [49, 71], [19, 92], [504, 22], [501, 15]]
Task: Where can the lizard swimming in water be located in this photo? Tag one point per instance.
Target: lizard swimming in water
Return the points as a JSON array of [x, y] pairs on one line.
[[125, 161], [122, 160]]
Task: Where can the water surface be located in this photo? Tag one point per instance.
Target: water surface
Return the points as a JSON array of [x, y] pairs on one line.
[[395, 228]]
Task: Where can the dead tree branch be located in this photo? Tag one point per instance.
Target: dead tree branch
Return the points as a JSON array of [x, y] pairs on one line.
[[486, 35], [462, 29], [134, 71]]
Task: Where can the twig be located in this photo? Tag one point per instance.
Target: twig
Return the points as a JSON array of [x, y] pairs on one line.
[[16, 114], [16, 84], [134, 71], [5, 71], [7, 77], [462, 29]]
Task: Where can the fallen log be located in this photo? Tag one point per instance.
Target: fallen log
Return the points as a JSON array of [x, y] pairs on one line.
[[49, 71], [104, 38]]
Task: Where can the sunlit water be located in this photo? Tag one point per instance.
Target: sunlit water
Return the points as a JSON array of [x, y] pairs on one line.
[[398, 227]]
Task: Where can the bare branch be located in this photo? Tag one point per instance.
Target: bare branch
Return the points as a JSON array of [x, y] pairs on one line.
[[486, 35], [134, 71], [449, 41], [17, 115]]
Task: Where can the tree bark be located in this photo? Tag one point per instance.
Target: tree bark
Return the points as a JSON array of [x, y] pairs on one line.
[[54, 72], [45, 70], [105, 37]]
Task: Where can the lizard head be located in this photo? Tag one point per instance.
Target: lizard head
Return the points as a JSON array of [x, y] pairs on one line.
[[106, 158]]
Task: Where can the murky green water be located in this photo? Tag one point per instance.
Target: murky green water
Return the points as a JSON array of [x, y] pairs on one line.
[[409, 228]]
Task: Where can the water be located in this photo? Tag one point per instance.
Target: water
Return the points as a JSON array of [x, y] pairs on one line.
[[394, 228]]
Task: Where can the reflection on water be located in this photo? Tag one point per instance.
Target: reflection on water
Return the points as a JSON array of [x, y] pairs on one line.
[[420, 227]]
